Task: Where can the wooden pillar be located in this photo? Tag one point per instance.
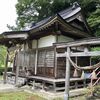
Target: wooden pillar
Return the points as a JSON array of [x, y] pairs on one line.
[[67, 80], [17, 70], [54, 86], [6, 65], [90, 61], [55, 63], [76, 60], [36, 58]]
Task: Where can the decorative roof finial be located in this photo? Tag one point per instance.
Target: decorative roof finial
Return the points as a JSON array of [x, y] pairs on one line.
[[75, 4]]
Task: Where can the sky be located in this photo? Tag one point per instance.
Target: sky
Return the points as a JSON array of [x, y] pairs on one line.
[[7, 14]]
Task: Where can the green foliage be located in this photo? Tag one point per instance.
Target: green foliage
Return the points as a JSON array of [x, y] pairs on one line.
[[31, 11], [2, 55], [2, 69], [95, 59], [94, 21]]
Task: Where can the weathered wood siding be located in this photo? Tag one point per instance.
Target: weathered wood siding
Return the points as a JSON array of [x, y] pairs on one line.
[[45, 64], [25, 60]]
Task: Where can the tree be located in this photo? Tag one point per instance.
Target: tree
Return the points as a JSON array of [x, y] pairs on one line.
[[94, 21], [32, 11]]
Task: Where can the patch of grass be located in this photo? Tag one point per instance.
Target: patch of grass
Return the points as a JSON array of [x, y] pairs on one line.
[[74, 98], [19, 96]]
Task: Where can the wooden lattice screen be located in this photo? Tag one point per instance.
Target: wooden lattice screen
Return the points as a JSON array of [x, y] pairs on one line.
[[46, 58]]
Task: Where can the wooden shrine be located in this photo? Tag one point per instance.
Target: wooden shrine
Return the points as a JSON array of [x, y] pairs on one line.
[[40, 52]]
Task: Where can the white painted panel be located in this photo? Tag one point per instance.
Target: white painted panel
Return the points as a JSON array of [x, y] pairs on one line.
[[34, 44], [46, 41], [62, 38]]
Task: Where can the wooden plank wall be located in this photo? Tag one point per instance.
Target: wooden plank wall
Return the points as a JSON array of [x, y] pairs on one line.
[[45, 65]]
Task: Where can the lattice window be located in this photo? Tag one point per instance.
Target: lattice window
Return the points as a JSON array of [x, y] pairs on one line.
[[49, 58], [32, 59], [41, 58], [46, 58]]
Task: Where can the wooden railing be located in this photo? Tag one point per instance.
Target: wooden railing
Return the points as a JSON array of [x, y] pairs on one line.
[[96, 81], [98, 78]]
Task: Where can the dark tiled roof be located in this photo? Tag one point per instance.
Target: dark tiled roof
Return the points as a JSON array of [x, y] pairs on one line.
[[70, 11], [40, 23]]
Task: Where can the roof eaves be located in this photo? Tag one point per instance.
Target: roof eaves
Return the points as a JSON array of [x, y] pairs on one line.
[[15, 32]]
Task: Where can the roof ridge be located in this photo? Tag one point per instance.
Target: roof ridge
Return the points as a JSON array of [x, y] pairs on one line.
[[73, 6]]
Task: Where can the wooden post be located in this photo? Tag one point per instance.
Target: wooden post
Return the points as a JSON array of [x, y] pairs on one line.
[[91, 87], [86, 49], [36, 58], [55, 63], [54, 86], [6, 65], [43, 85], [90, 61], [33, 87], [84, 83], [76, 84], [16, 77], [17, 70], [76, 60], [67, 80]]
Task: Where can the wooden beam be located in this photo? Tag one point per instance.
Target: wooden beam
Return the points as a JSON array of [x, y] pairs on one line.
[[80, 54], [91, 53], [67, 80], [17, 36], [93, 41], [60, 54], [6, 65]]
